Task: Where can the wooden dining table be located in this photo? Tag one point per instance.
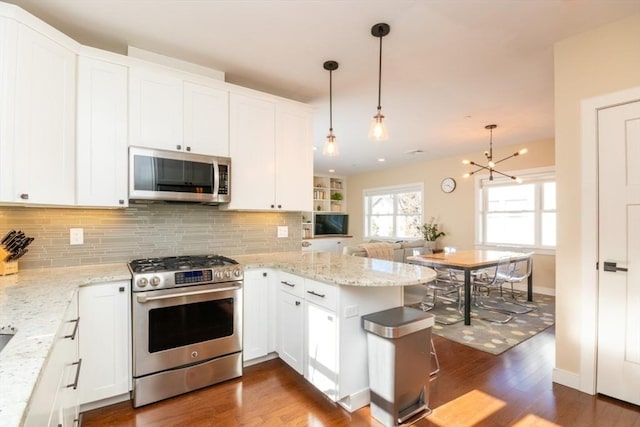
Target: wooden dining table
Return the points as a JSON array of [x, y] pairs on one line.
[[469, 261]]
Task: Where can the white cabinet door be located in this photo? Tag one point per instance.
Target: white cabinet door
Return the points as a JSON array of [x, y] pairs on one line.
[[256, 314], [101, 160], [40, 148], [206, 120], [290, 330], [328, 244], [252, 136], [53, 401], [294, 158], [105, 340], [322, 349], [156, 110]]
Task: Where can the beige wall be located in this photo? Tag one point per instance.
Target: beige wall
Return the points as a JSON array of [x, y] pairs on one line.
[[454, 211], [591, 64]]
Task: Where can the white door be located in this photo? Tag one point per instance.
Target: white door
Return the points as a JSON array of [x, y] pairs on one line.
[[618, 373]]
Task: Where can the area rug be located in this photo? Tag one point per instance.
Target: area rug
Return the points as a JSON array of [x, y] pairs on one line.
[[491, 336]]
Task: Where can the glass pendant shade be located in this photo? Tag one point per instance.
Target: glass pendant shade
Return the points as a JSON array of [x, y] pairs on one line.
[[330, 148], [378, 129]]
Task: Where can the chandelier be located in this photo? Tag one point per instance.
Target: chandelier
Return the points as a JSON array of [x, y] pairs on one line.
[[490, 163]]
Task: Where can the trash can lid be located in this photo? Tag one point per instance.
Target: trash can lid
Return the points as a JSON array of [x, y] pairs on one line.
[[397, 322]]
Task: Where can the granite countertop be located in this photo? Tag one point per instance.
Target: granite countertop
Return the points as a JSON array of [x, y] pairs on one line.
[[343, 270], [34, 302]]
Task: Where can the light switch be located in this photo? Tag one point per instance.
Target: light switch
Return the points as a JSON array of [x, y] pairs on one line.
[[283, 231], [76, 236]]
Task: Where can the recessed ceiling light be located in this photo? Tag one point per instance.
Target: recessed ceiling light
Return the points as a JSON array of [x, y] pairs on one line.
[[315, 148], [381, 160], [332, 170]]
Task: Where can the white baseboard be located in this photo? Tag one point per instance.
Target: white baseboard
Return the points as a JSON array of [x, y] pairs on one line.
[[356, 400], [105, 402], [259, 359], [566, 378]]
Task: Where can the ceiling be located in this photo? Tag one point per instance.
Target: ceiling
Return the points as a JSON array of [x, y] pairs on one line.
[[449, 67]]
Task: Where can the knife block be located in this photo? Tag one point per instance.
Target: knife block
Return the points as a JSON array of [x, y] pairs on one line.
[[10, 267]]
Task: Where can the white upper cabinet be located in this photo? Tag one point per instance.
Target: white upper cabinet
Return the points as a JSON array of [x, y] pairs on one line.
[[206, 119], [37, 143], [270, 146], [252, 134], [169, 113], [155, 108], [101, 159], [294, 157]]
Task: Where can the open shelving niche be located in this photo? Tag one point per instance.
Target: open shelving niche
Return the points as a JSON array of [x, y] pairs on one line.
[[329, 195]]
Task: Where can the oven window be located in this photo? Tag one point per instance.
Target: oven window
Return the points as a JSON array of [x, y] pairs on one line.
[[180, 325]]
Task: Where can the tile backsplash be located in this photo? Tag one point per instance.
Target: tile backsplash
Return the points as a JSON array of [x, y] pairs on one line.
[[146, 230]]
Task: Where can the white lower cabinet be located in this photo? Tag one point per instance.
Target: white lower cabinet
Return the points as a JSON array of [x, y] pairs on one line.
[[54, 401], [257, 335], [328, 244], [320, 334], [105, 341], [322, 349], [290, 329]]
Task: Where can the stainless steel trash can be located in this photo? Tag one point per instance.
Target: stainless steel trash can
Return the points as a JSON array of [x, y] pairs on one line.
[[399, 351]]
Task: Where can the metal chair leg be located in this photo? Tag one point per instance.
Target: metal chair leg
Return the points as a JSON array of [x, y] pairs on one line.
[[435, 356]]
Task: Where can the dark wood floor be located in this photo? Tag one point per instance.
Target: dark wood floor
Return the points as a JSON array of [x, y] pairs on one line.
[[473, 388]]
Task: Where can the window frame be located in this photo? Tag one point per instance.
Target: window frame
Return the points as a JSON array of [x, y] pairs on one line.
[[386, 190], [536, 176]]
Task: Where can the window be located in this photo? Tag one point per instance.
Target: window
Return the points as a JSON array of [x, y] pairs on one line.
[[518, 214], [393, 212]]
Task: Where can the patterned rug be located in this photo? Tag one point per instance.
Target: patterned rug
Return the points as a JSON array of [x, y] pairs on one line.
[[491, 336]]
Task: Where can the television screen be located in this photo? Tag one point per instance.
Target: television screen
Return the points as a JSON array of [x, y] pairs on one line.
[[327, 224]]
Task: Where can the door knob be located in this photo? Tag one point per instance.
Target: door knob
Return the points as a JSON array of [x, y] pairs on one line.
[[613, 267]]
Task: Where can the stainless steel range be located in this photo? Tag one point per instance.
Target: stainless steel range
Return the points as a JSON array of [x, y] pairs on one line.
[[186, 324]]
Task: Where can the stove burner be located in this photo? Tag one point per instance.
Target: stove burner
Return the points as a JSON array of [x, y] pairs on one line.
[[175, 263]]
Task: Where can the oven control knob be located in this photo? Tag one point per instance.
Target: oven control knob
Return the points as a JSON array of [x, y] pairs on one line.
[[142, 282], [237, 272], [227, 274], [155, 281], [218, 275]]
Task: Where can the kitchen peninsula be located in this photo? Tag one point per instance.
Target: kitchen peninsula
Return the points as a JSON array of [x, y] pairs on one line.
[[34, 302]]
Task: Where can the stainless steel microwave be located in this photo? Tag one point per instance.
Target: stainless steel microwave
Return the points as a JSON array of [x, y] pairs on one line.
[[183, 177]]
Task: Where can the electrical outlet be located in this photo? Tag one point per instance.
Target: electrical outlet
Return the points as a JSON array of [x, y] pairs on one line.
[[76, 236], [283, 231]]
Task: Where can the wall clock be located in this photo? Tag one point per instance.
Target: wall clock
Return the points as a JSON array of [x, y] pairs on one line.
[[448, 185]]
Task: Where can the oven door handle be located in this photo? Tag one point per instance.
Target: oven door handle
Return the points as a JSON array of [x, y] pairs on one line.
[[143, 298]]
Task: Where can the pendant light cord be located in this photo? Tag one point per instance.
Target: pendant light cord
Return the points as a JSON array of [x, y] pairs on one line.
[[331, 100], [380, 71]]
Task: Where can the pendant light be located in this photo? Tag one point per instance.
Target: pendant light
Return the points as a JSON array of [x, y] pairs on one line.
[[378, 128], [330, 145], [490, 163]]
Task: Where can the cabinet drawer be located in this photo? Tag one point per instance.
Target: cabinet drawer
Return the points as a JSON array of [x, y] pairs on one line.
[[291, 283], [322, 294]]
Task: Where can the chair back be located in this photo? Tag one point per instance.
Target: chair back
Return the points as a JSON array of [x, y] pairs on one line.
[[521, 268], [498, 274]]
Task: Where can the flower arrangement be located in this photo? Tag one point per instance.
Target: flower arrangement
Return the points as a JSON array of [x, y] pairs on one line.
[[430, 231]]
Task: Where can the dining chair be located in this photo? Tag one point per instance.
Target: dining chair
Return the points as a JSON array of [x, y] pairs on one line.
[[489, 279], [519, 270], [447, 283]]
